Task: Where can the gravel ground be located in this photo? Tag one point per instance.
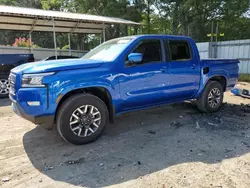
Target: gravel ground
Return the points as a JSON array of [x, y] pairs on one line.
[[171, 146]]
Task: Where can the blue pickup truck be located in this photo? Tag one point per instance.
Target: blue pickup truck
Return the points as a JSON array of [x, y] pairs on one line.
[[81, 96]]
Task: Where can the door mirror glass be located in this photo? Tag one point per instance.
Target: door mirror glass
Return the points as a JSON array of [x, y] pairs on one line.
[[135, 57]]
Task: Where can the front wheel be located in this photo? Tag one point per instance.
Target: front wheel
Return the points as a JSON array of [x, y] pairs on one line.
[[211, 98], [82, 118]]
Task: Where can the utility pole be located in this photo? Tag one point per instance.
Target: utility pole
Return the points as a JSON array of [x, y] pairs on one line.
[[148, 15], [212, 32], [217, 31], [217, 34], [211, 39]]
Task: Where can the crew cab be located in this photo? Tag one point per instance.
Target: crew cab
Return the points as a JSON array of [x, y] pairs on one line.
[[81, 96]]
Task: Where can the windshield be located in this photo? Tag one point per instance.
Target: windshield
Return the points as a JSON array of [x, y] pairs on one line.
[[108, 51]]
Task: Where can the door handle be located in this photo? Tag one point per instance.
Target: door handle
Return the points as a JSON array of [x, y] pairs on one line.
[[163, 69], [193, 66]]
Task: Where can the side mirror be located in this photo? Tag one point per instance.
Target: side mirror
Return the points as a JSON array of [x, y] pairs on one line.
[[135, 57]]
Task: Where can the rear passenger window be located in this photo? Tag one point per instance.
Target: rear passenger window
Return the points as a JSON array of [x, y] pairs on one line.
[[179, 50]]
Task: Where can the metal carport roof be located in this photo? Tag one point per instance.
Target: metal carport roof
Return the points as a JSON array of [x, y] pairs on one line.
[[28, 19], [16, 18]]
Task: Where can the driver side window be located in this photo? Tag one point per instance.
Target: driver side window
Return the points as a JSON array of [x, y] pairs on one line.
[[150, 50]]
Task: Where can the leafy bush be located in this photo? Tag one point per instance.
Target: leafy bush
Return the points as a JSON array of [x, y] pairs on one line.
[[24, 42], [66, 47]]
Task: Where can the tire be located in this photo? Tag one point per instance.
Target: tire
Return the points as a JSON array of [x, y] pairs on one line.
[[4, 85], [212, 93], [69, 127]]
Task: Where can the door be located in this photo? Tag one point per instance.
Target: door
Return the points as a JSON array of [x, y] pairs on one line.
[[184, 70], [143, 84]]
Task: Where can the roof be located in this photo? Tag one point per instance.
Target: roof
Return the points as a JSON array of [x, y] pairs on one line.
[[162, 36], [17, 18]]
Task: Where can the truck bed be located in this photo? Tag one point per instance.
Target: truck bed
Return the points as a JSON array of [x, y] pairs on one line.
[[227, 67]]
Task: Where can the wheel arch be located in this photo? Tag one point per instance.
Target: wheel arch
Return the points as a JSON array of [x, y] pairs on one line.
[[99, 91], [221, 79], [203, 101]]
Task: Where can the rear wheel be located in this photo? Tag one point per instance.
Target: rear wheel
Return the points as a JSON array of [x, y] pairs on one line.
[[4, 86], [82, 118], [211, 98]]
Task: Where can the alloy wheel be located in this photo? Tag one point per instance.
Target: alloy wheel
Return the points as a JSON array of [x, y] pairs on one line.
[[4, 86], [214, 97], [85, 120]]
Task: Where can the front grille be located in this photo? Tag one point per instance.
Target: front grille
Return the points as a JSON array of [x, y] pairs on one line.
[[12, 81]]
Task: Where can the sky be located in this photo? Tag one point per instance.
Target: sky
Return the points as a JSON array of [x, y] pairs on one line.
[[247, 14]]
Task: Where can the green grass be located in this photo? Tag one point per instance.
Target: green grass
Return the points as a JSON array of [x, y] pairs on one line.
[[244, 78]]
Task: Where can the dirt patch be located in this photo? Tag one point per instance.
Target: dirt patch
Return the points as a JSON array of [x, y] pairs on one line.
[[171, 146]]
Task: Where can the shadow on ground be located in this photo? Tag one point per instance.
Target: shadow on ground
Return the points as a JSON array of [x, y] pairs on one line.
[[5, 102], [142, 143]]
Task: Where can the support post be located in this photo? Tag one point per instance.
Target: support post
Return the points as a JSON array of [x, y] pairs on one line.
[[54, 37], [30, 34], [70, 52], [104, 33], [141, 29], [30, 38]]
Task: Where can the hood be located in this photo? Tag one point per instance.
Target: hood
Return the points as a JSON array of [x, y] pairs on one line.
[[56, 65]]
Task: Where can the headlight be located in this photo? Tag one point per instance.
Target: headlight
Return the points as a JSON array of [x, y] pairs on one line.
[[34, 80]]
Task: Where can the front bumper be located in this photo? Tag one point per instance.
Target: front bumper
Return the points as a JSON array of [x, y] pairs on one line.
[[33, 104], [46, 122]]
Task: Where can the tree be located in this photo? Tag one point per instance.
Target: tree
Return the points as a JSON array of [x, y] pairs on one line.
[[194, 17], [127, 9], [22, 3], [63, 5]]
